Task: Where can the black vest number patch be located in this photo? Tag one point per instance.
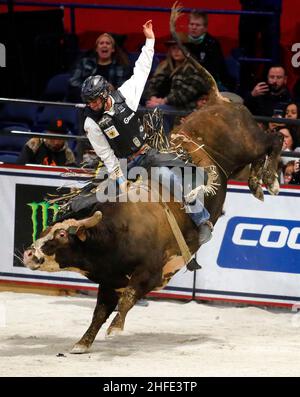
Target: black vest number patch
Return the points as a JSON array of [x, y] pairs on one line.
[[111, 132]]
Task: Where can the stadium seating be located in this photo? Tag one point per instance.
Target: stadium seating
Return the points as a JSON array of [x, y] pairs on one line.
[[49, 113], [21, 114], [57, 87]]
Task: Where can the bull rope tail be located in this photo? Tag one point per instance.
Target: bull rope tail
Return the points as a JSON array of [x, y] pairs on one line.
[[210, 188], [208, 78], [153, 124], [185, 251]]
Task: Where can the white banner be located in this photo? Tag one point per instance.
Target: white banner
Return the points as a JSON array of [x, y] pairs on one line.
[[24, 214], [254, 255], [255, 251]]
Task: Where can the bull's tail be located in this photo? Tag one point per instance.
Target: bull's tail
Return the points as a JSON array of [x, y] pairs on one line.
[[213, 93]]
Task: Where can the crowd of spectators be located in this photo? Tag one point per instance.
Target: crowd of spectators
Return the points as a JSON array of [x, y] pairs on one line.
[[175, 84]]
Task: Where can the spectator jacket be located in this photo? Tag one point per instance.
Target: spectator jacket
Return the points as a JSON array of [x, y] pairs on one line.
[[181, 85], [87, 66], [209, 54], [36, 151], [264, 105]]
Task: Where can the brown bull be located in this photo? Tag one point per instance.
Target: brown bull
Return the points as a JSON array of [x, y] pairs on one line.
[[129, 248], [225, 134]]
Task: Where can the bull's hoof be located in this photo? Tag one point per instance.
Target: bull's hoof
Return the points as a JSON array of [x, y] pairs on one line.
[[113, 331], [258, 193], [79, 349], [274, 188], [255, 188]]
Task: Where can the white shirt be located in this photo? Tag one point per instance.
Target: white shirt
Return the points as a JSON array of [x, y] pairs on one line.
[[132, 91]]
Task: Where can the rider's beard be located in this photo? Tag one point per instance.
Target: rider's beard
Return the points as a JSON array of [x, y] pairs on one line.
[[98, 113]]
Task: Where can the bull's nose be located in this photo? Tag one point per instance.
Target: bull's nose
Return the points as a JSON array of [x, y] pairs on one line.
[[40, 261], [28, 255]]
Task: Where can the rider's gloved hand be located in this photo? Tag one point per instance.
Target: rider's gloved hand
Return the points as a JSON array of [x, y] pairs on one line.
[[123, 184]]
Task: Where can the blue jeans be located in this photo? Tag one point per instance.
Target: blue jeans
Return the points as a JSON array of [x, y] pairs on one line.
[[196, 210]]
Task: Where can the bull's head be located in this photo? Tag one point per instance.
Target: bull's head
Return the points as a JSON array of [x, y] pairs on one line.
[[59, 241]]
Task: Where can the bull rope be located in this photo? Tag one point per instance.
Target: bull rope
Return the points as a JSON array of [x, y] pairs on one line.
[[198, 147]]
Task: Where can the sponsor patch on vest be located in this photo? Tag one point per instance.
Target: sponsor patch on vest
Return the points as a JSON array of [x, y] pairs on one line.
[[137, 142], [127, 119], [111, 132]]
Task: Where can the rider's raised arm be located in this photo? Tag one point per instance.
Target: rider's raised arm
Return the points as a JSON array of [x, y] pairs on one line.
[[133, 88]]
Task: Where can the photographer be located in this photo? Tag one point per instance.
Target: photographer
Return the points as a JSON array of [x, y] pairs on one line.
[[270, 95]]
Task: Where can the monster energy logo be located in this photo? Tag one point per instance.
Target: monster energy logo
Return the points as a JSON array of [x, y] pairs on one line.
[[45, 207]]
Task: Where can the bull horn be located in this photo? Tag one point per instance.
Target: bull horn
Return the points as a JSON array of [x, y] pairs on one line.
[[91, 221]]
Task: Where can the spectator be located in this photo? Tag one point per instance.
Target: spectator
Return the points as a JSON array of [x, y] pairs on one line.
[[275, 126], [176, 83], [266, 97], [288, 141], [108, 60], [292, 112], [296, 174], [199, 105], [288, 170], [48, 151], [291, 173], [206, 48]]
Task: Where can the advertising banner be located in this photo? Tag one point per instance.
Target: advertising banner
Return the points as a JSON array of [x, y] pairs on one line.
[[254, 255], [24, 214], [255, 252]]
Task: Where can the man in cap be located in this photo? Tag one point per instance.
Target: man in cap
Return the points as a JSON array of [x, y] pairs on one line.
[[48, 151]]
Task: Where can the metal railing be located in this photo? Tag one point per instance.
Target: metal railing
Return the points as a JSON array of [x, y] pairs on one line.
[[80, 107]]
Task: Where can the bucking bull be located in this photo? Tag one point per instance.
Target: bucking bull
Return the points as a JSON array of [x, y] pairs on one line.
[[129, 248]]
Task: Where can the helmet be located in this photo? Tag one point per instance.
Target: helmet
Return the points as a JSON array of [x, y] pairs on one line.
[[94, 87]]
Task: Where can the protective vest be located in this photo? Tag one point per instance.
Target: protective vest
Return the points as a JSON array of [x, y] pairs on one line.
[[124, 130]]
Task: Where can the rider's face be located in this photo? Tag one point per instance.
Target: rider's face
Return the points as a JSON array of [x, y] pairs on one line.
[[96, 104]]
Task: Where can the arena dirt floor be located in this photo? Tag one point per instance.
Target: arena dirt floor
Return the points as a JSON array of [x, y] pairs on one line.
[[167, 338]]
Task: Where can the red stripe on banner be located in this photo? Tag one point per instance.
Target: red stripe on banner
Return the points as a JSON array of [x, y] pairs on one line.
[[259, 303], [44, 169], [170, 296], [83, 288], [154, 294], [35, 284]]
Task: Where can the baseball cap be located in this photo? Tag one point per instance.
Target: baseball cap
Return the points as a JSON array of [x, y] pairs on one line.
[[58, 126]]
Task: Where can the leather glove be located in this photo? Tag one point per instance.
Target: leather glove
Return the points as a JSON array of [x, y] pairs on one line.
[[123, 184]]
